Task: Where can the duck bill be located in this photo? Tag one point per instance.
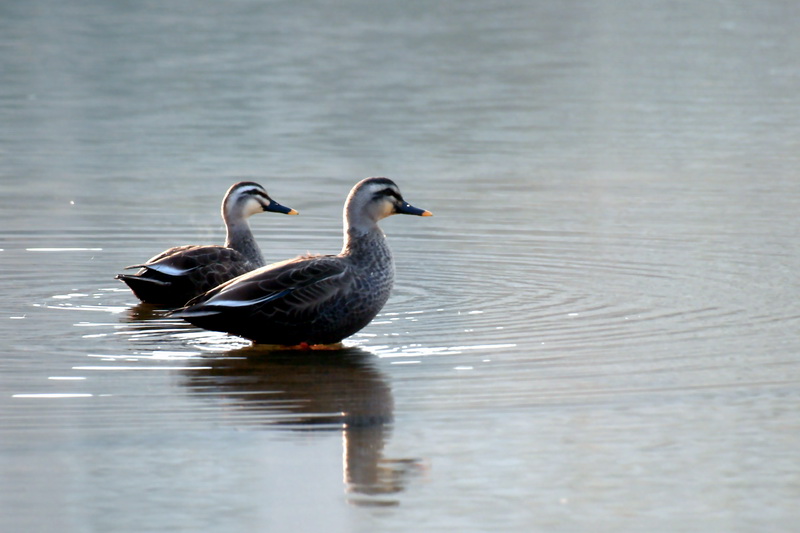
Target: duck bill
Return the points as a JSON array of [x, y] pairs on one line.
[[407, 209], [275, 207]]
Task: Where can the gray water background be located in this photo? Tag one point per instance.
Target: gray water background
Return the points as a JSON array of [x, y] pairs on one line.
[[597, 331]]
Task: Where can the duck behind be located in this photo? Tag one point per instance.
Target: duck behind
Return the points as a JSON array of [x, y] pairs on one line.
[[178, 274]]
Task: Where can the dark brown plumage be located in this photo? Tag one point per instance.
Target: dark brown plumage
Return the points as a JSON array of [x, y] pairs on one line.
[[313, 299]]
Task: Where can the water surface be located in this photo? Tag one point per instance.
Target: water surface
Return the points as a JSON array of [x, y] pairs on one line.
[[596, 331]]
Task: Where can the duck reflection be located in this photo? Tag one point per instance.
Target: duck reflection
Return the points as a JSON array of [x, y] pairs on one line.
[[143, 322], [143, 312], [337, 390]]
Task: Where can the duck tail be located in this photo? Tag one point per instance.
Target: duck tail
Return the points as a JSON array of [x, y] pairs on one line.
[[146, 289]]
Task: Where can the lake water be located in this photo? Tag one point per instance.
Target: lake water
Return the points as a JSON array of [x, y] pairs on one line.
[[597, 331]]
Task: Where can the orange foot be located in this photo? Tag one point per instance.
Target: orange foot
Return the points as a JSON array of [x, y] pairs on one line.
[[302, 346], [335, 346], [306, 346]]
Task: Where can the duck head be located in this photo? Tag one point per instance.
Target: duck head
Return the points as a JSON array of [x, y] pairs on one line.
[[373, 199], [247, 198]]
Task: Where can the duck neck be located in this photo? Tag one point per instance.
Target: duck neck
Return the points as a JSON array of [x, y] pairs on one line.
[[240, 238], [365, 241]]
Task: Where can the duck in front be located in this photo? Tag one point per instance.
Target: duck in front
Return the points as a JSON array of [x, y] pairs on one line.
[[313, 300]]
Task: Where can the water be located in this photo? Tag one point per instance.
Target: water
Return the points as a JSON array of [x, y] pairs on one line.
[[596, 331]]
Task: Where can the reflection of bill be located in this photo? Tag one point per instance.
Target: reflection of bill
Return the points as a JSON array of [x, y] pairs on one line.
[[316, 390]]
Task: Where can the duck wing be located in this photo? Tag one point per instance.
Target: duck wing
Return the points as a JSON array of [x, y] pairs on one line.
[[296, 288], [181, 260], [179, 274]]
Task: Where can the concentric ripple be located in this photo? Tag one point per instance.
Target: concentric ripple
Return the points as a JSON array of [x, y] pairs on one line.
[[497, 302]]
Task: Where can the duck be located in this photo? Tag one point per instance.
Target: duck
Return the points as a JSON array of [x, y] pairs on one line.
[[179, 274], [313, 300]]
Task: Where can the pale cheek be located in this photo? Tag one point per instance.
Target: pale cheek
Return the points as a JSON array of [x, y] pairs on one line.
[[388, 209], [252, 207], [381, 209]]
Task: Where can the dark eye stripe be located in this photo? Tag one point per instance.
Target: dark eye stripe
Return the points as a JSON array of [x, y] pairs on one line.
[[253, 192], [389, 192]]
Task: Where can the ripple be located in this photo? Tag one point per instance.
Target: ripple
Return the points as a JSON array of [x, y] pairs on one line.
[[135, 368], [56, 249], [567, 291], [53, 395], [575, 315]]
